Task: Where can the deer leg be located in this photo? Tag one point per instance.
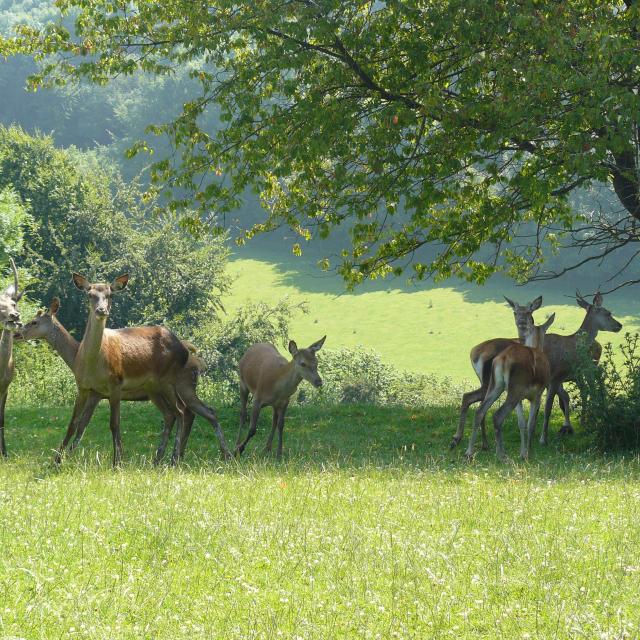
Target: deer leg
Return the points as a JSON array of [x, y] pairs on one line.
[[253, 427], [84, 418], [552, 389], [490, 398], [168, 418], [187, 417], [281, 413], [191, 401], [114, 425], [468, 399], [78, 406], [274, 424], [244, 396], [522, 425], [534, 408], [565, 405], [498, 420], [3, 444]]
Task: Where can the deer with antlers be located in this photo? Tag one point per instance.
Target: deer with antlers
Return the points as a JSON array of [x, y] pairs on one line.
[[10, 321], [523, 370], [46, 326], [272, 380], [562, 352], [113, 363]]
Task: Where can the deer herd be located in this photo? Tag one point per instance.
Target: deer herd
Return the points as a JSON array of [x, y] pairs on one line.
[[151, 363]]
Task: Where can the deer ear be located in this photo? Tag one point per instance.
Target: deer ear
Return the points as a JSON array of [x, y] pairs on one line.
[[293, 347], [80, 281], [316, 346], [54, 305], [583, 303], [597, 300], [18, 296], [120, 283], [38, 313], [10, 291], [512, 304], [533, 306], [549, 321]]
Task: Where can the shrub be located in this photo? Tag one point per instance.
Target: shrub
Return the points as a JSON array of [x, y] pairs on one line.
[[610, 397]]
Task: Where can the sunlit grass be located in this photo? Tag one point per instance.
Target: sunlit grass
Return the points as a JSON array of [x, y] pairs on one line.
[[420, 328], [368, 528]]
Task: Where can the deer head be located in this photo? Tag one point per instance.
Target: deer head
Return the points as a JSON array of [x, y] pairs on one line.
[[535, 336], [42, 324], [99, 294], [523, 314], [597, 316], [9, 314], [305, 361]]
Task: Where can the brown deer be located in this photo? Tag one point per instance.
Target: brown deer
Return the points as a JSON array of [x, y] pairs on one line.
[[272, 380], [482, 356], [563, 355], [46, 326], [137, 360], [523, 370], [10, 321]]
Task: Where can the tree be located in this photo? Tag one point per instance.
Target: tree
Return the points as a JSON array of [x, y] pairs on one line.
[[86, 219], [459, 125], [13, 221]]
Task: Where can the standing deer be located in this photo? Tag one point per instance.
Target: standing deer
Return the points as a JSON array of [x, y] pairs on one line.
[[136, 360], [272, 380], [10, 321], [46, 326], [523, 370], [482, 356], [563, 355]]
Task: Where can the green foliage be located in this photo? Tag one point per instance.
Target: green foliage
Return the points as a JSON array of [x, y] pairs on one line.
[[87, 219], [610, 397], [359, 376], [13, 220], [463, 126]]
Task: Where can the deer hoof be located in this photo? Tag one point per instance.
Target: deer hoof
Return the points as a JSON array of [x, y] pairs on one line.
[[567, 430], [455, 441]]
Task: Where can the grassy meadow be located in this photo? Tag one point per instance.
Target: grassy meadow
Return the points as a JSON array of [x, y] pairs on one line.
[[368, 528], [420, 328]]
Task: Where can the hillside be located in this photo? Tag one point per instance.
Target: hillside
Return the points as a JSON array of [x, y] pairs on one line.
[[423, 328]]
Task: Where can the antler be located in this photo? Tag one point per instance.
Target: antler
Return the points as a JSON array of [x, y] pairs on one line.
[[15, 279]]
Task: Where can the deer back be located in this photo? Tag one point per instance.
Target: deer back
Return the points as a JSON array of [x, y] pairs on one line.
[[262, 367], [525, 368]]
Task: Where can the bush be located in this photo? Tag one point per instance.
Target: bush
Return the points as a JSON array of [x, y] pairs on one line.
[[610, 397]]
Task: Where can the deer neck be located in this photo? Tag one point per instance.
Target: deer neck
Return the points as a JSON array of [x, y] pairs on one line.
[[534, 340], [93, 333], [289, 379], [588, 328], [63, 343], [6, 348]]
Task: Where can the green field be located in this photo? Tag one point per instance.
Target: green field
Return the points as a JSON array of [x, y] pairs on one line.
[[369, 528], [420, 328]]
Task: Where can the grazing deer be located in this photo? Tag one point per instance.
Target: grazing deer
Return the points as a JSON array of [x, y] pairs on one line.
[[46, 326], [272, 380], [10, 321], [523, 370], [138, 360], [482, 356], [562, 352]]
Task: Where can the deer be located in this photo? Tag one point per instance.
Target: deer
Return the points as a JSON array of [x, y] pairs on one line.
[[524, 371], [562, 352], [482, 356], [46, 326], [272, 380], [113, 363], [10, 321]]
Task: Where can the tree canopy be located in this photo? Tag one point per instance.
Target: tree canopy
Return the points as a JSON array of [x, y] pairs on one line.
[[458, 125]]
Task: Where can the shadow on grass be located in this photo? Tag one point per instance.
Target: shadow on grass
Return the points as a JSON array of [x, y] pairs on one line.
[[346, 437]]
